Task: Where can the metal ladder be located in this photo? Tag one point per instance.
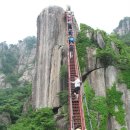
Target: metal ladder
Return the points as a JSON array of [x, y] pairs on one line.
[[76, 113]]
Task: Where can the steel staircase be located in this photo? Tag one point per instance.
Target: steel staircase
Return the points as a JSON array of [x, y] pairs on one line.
[[76, 113]]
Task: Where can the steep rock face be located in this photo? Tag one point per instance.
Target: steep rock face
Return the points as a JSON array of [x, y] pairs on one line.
[[126, 101], [26, 62], [101, 78], [91, 58], [97, 72], [97, 81], [100, 40], [124, 27], [96, 36], [50, 55], [110, 76]]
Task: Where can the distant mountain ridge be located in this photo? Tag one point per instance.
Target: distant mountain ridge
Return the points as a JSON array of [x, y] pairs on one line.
[[17, 62], [123, 27]]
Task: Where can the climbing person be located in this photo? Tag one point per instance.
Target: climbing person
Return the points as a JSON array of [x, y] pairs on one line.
[[69, 25], [70, 32], [71, 49], [71, 40], [78, 128], [76, 83], [69, 19], [68, 10]]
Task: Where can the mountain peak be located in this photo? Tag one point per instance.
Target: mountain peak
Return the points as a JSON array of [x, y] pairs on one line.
[[123, 27]]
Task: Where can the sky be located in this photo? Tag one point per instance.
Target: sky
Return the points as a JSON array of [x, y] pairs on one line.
[[18, 17]]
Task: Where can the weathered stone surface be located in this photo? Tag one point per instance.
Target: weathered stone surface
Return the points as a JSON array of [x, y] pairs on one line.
[[51, 46], [91, 58], [3, 83], [2, 80], [26, 62], [128, 108], [100, 80], [96, 77], [27, 76], [27, 105], [114, 124], [110, 76], [89, 34], [126, 100], [114, 47], [96, 36], [100, 40], [92, 61], [97, 81], [124, 27], [5, 118], [61, 122], [23, 56]]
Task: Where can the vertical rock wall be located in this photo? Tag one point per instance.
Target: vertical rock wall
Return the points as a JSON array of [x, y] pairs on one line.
[[101, 78], [50, 55], [26, 59]]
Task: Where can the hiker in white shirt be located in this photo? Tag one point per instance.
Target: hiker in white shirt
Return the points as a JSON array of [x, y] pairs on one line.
[[77, 83]]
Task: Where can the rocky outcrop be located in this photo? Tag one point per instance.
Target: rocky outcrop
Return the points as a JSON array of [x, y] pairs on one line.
[[2, 80], [61, 119], [3, 83], [27, 105], [5, 119], [26, 62], [100, 40], [96, 36], [110, 76], [102, 78], [97, 81], [50, 55], [17, 59], [123, 27], [126, 101]]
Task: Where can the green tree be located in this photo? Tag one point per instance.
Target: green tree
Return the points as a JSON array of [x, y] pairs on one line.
[[41, 119], [30, 42], [114, 102]]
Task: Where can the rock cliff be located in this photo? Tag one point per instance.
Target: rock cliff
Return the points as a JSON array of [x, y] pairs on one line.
[[123, 27], [25, 66], [101, 78], [50, 56]]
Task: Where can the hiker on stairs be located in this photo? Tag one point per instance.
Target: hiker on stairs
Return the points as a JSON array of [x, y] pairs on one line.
[[77, 83]]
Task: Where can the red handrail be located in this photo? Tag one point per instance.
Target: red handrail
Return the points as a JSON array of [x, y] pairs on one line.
[[80, 94], [77, 72], [69, 85], [69, 96]]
